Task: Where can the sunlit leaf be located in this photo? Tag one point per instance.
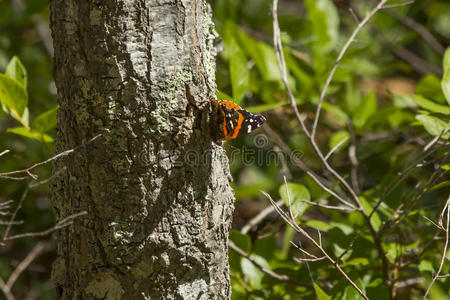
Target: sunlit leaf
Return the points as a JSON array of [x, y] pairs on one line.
[[265, 107], [446, 78], [324, 17], [375, 219], [340, 116], [13, 95], [429, 86], [433, 125], [439, 186], [337, 138], [239, 71], [221, 95], [320, 225], [263, 55], [425, 266], [254, 274], [31, 134], [431, 106], [45, 121], [297, 194], [321, 295], [404, 100], [366, 108], [16, 70]]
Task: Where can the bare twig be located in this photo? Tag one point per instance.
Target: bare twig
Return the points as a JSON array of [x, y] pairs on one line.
[[444, 252], [335, 148], [279, 277], [420, 65], [436, 139], [23, 197], [331, 192], [341, 208], [259, 217], [303, 251], [6, 291], [4, 152], [12, 223], [300, 230], [289, 199], [417, 27], [338, 60], [301, 260], [353, 159], [311, 135], [282, 65], [59, 155], [61, 224], [13, 216], [406, 3], [24, 264]]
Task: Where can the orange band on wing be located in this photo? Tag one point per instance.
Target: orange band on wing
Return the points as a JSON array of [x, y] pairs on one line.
[[224, 127], [238, 126]]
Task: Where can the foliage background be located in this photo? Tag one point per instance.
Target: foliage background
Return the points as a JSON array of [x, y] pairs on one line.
[[386, 98]]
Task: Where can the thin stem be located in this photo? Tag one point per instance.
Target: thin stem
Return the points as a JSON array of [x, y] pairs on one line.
[[338, 60]]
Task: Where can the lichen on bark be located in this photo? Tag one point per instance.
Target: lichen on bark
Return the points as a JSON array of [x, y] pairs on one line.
[[155, 184]]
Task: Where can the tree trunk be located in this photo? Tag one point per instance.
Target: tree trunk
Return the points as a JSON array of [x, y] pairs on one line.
[[154, 184]]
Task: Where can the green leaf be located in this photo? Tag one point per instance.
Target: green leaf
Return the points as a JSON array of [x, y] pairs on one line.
[[297, 194], [321, 295], [325, 20], [337, 112], [265, 107], [262, 54], [239, 71], [16, 70], [366, 108], [412, 101], [223, 96], [425, 266], [446, 77], [253, 274], [446, 60], [359, 261], [375, 219], [337, 137], [288, 236], [320, 225], [403, 100], [13, 95], [31, 134], [45, 121], [431, 106], [429, 86], [439, 186], [433, 125]]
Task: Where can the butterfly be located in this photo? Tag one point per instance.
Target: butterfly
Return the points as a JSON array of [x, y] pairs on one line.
[[235, 121]]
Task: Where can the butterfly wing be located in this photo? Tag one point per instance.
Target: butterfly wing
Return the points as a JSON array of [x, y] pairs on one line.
[[237, 121]]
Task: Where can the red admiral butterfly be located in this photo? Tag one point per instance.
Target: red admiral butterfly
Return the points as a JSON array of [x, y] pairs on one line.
[[235, 121]]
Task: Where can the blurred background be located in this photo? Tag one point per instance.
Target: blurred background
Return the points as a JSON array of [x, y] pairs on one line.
[[385, 104]]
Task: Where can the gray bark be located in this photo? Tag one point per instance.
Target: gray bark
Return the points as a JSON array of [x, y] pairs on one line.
[[155, 185]]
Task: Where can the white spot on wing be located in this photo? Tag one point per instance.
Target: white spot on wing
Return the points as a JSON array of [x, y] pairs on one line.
[[249, 128]]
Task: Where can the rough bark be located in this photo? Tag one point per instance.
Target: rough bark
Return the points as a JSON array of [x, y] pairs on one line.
[[155, 185]]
